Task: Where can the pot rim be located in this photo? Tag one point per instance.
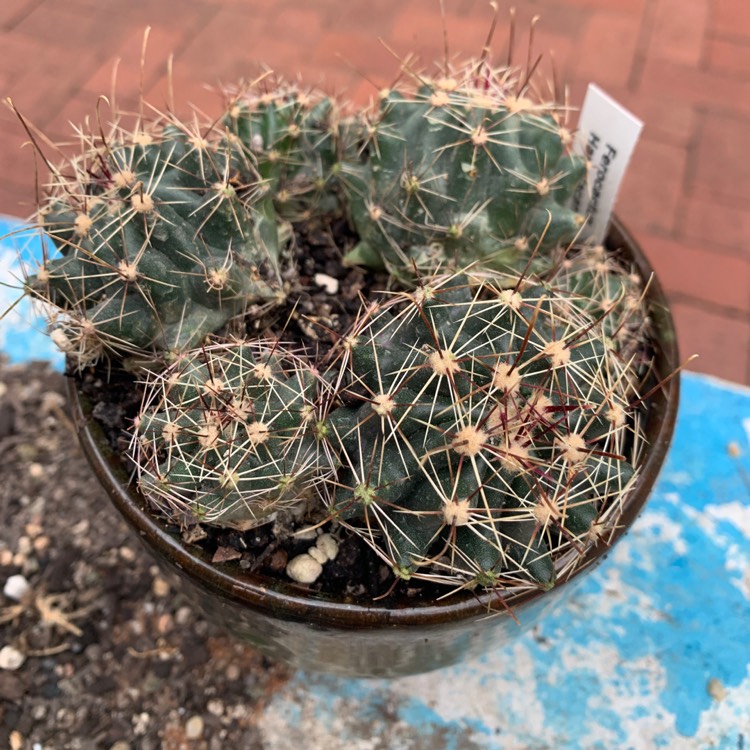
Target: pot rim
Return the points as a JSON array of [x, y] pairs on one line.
[[290, 601]]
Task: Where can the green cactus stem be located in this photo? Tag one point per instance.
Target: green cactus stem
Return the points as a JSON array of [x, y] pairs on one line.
[[297, 141], [608, 290], [485, 432], [159, 244], [227, 436], [463, 169]]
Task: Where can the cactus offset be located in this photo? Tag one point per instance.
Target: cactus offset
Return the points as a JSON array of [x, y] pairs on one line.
[[463, 168], [227, 435], [609, 291], [297, 140], [490, 435], [160, 244]]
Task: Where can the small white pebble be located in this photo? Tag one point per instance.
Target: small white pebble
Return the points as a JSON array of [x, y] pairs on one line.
[[127, 554], [194, 728], [183, 615], [215, 707], [318, 555], [11, 658], [160, 587], [140, 723], [24, 545], [328, 546], [165, 623], [41, 543], [33, 529], [328, 283], [304, 569], [233, 672], [81, 528], [15, 740], [16, 588]]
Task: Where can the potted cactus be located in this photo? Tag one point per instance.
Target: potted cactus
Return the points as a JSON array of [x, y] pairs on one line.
[[471, 417]]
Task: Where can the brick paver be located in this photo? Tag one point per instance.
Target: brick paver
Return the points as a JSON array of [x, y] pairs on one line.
[[682, 66]]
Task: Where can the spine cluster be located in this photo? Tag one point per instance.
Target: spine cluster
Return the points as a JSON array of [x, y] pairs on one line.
[[463, 169]]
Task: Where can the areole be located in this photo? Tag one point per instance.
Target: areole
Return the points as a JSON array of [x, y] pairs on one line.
[[315, 631]]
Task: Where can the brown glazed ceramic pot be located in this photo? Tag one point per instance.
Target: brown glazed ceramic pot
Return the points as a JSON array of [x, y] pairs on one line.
[[316, 631]]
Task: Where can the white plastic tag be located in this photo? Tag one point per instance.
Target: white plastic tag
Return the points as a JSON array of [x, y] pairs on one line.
[[607, 136]]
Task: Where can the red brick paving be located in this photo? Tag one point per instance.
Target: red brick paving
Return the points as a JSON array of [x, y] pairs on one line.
[[681, 65]]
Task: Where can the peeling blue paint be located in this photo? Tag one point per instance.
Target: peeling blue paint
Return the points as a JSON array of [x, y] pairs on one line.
[[22, 331]]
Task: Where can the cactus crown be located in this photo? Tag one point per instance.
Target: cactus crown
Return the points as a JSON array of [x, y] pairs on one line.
[[463, 167], [297, 141]]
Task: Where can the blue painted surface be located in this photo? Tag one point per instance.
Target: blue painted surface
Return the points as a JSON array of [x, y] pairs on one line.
[[22, 331], [653, 651]]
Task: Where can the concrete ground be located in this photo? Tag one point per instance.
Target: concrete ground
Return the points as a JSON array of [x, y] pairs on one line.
[[683, 67]]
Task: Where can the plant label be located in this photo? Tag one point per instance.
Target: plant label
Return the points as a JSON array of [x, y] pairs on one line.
[[607, 135]]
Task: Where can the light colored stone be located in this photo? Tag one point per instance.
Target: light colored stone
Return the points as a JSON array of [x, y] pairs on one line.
[[16, 588], [127, 554], [328, 283], [215, 707], [11, 658], [318, 555], [194, 728], [328, 546], [24, 546], [160, 587], [304, 569], [36, 470], [41, 543]]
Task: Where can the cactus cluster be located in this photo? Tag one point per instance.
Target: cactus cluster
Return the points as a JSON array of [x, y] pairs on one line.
[[463, 168], [475, 427], [227, 435], [488, 433]]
